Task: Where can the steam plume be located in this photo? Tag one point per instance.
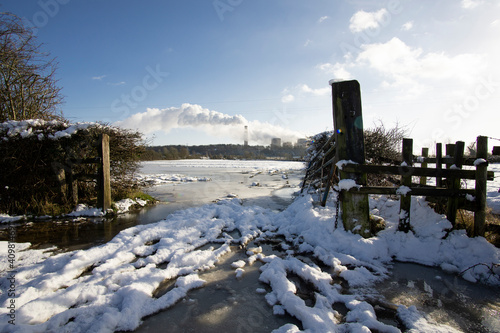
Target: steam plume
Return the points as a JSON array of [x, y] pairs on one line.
[[211, 122]]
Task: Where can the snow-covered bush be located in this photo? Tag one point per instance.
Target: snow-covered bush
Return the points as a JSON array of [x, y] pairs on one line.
[[35, 151]]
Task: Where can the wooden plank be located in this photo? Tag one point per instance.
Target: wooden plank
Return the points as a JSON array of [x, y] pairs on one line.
[[349, 137], [405, 201], [447, 160], [414, 171], [104, 181], [418, 191], [481, 178]]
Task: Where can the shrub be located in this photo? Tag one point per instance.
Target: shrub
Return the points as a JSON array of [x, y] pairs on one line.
[[37, 156]]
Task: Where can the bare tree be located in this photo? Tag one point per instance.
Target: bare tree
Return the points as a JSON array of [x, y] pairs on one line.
[[28, 87]]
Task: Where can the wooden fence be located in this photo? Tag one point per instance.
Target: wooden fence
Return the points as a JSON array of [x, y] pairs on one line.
[[342, 158], [68, 179]]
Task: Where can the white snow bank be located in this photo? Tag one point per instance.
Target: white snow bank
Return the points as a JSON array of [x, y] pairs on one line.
[[5, 218], [84, 210], [42, 129], [248, 165], [115, 282], [158, 179]]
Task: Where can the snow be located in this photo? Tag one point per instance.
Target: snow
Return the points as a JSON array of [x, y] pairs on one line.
[[125, 205], [5, 218], [479, 161], [158, 179], [347, 184], [256, 165], [403, 190], [84, 210], [112, 287], [42, 129], [116, 281]]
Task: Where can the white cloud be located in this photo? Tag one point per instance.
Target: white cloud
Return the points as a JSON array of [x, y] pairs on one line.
[[316, 92], [338, 70], [121, 83], [307, 43], [470, 4], [98, 77], [407, 26], [287, 98], [322, 18], [397, 61], [211, 122], [362, 20]]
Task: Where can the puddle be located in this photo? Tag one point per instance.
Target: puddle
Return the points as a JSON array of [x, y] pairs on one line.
[[446, 298], [224, 304]]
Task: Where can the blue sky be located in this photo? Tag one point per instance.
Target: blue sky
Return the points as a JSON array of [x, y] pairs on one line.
[[195, 72]]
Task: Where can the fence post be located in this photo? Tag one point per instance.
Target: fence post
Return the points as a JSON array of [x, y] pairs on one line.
[[454, 183], [104, 181], [439, 163], [481, 179], [348, 123], [425, 154], [405, 201]]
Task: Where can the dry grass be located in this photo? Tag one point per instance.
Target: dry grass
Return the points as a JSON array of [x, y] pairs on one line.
[[465, 220]]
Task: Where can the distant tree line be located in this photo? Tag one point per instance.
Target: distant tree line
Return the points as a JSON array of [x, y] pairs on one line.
[[221, 151]]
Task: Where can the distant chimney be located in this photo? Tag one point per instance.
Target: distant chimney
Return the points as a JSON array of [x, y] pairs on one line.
[[245, 137]]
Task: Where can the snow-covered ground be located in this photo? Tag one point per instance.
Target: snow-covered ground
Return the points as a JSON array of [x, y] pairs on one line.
[[114, 286]]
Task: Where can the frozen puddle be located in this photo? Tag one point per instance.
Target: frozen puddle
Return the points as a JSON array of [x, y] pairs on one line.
[[446, 298], [225, 304]]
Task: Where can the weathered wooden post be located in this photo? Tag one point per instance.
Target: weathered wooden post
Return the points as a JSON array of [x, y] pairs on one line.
[[405, 201], [439, 163], [72, 185], [425, 154], [481, 179], [104, 181], [454, 183], [348, 124]]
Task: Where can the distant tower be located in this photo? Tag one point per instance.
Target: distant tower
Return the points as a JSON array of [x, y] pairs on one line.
[[275, 142], [245, 137]]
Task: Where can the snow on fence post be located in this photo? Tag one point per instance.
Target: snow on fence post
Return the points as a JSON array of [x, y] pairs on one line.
[[104, 181], [481, 179], [454, 183], [348, 124], [405, 201]]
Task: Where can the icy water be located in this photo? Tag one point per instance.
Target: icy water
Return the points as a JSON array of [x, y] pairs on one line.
[[268, 184], [446, 298]]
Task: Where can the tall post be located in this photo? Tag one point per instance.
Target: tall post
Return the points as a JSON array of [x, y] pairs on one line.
[[405, 201], [439, 163], [454, 183], [348, 124], [481, 179], [425, 154], [104, 181]]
